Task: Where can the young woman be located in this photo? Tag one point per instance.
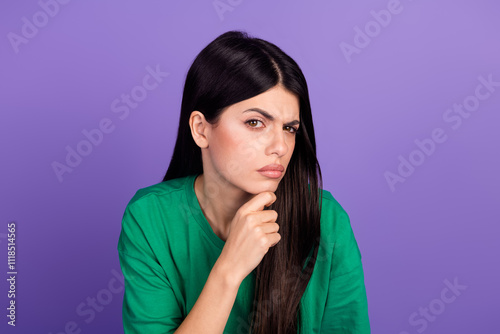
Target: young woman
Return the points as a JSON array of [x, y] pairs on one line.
[[240, 237]]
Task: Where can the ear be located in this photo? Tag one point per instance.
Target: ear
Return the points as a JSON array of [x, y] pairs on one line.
[[199, 128]]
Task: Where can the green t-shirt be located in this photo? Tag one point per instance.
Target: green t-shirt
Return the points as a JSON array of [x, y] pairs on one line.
[[167, 249]]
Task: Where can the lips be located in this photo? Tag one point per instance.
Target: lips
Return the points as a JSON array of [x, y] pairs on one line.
[[272, 167]]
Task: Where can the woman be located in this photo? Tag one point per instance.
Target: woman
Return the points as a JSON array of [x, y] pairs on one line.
[[239, 237]]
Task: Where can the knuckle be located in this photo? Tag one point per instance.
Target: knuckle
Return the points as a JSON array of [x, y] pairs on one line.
[[263, 241], [249, 218]]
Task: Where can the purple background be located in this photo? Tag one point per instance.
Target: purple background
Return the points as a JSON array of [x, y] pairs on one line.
[[369, 108]]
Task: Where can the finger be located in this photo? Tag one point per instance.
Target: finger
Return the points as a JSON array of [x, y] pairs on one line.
[[266, 216], [276, 239], [260, 200], [269, 227]]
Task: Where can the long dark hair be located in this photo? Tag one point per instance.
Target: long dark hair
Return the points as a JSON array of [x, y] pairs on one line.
[[232, 68]]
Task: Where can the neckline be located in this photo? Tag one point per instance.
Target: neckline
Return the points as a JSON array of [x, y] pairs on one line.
[[197, 212]]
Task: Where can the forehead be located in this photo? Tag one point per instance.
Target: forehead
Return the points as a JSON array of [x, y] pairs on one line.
[[277, 101]]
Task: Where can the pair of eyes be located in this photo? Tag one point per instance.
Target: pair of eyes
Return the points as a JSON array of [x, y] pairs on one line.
[[291, 128]]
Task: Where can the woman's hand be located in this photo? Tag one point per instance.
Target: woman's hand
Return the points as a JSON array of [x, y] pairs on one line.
[[253, 230]]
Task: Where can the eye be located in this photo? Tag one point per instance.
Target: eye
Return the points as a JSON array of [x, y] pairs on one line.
[[292, 129], [253, 121]]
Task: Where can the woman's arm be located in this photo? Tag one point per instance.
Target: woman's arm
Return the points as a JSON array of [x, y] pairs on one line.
[[150, 304], [211, 311], [346, 309]]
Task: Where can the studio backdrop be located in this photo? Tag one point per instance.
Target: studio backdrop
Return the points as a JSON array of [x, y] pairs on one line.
[[405, 99]]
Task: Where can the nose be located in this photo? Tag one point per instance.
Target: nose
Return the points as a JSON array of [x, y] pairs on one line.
[[278, 143]]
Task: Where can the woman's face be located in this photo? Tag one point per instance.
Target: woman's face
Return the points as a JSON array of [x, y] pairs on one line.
[[245, 141]]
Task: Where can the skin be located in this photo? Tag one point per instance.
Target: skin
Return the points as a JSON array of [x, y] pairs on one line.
[[236, 147]]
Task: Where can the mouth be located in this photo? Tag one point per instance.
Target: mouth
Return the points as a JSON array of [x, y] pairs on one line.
[[274, 171]]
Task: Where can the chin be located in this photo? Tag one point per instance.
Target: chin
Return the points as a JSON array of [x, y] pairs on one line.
[[270, 185], [255, 188]]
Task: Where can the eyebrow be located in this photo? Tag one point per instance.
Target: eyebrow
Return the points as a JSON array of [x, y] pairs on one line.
[[271, 117]]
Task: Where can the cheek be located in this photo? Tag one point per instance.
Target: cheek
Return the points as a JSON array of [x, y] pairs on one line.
[[291, 142], [244, 150], [291, 148], [234, 150]]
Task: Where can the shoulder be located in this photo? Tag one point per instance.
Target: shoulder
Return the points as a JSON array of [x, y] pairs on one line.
[[169, 188], [337, 236], [155, 199], [335, 221], [148, 211], [331, 207], [145, 216]]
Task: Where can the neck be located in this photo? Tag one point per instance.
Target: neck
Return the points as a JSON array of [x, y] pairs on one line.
[[219, 200]]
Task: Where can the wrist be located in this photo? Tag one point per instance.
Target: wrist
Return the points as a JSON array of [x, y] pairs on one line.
[[226, 275]]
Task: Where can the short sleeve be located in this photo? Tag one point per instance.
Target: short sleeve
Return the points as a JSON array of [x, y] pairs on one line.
[[346, 310], [149, 303]]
